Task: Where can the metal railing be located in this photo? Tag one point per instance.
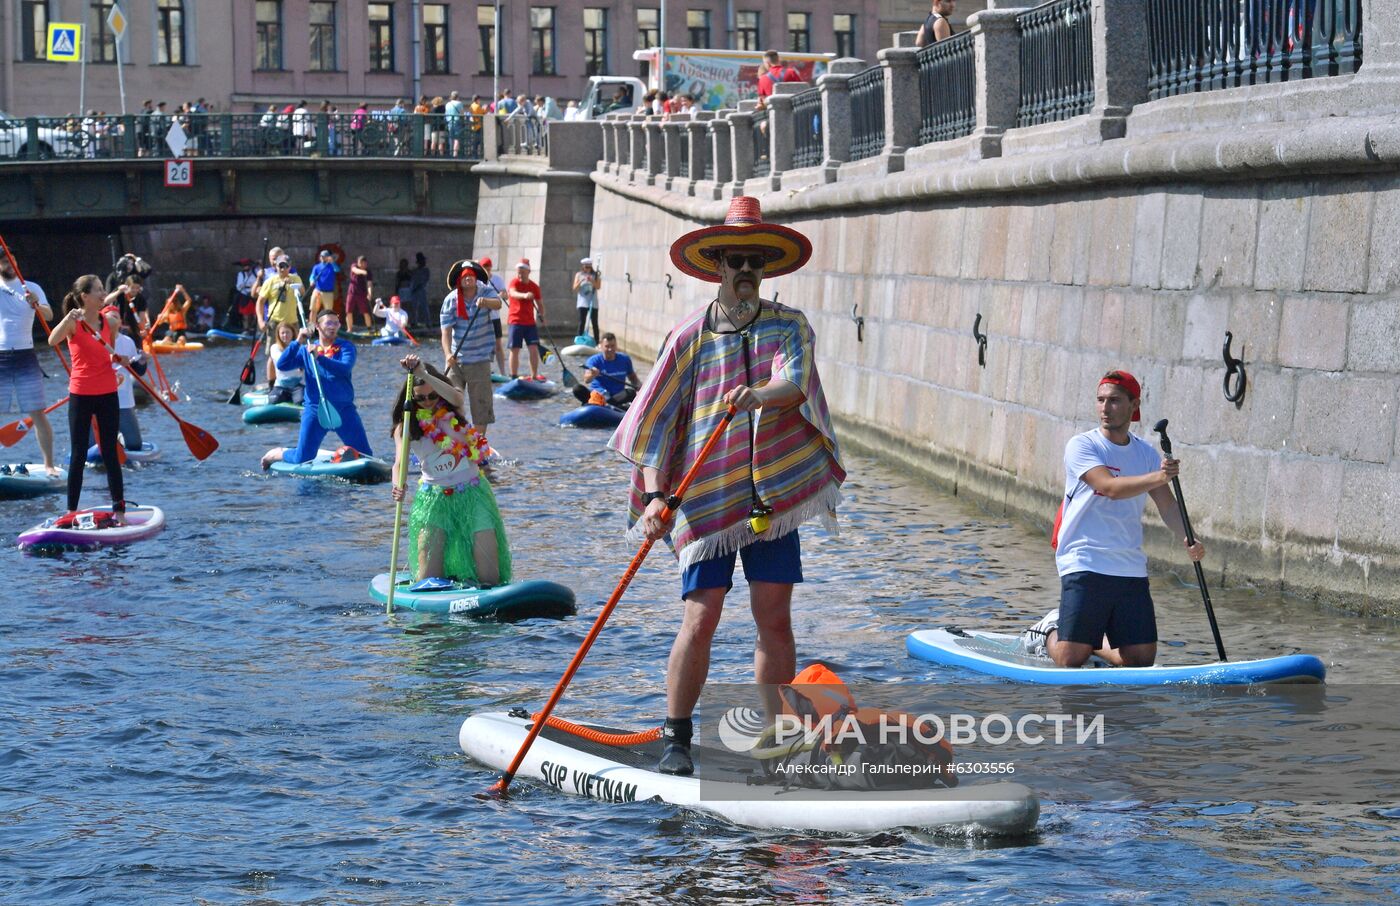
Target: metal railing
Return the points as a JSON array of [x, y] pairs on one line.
[[762, 162], [525, 135], [867, 113], [1205, 45], [684, 169], [272, 134], [947, 89], [807, 128], [1057, 62]]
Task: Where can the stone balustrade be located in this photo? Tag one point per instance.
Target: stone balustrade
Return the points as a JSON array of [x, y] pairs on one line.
[[1022, 79]]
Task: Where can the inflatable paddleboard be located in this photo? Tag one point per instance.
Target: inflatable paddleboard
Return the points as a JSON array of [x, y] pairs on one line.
[[570, 764], [163, 347], [526, 389], [999, 654], [149, 450], [500, 378], [216, 335], [277, 412], [578, 351], [358, 336], [515, 601], [389, 341], [590, 416], [142, 522], [22, 480], [365, 470]]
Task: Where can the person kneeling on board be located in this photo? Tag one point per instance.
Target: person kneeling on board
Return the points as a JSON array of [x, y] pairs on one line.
[[607, 375], [1105, 604], [455, 531], [330, 365]]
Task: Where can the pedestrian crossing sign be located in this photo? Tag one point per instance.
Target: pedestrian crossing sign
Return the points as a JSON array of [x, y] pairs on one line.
[[65, 42]]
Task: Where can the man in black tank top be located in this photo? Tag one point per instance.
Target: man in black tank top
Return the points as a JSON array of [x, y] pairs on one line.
[[937, 26]]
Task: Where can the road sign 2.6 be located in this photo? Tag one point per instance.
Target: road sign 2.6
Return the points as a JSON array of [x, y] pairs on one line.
[[179, 173]]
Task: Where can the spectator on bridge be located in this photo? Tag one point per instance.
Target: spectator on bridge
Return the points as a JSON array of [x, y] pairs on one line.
[[303, 129], [455, 115], [506, 103], [358, 120], [143, 127], [549, 108], [937, 27], [437, 129], [398, 122], [774, 70], [571, 112]]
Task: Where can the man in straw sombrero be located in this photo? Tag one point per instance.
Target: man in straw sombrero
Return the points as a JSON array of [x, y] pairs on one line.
[[775, 468]]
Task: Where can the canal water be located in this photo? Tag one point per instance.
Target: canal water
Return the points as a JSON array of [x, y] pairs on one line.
[[223, 715]]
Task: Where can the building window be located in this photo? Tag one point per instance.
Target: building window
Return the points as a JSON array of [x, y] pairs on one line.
[[799, 32], [542, 40], [746, 36], [595, 41], [697, 23], [170, 32], [104, 43], [648, 33], [34, 29], [322, 46], [486, 37], [269, 49], [381, 37], [435, 58], [844, 25]]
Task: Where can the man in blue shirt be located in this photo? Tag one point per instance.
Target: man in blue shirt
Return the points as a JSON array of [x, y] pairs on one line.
[[608, 374], [333, 362], [323, 284]]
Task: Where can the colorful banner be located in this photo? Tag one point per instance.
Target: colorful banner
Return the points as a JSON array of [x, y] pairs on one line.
[[719, 82]]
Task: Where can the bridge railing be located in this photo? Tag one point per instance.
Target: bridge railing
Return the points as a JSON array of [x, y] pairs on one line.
[[947, 89], [271, 134], [1057, 62]]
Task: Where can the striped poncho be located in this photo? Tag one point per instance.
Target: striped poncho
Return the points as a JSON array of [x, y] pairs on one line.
[[796, 463]]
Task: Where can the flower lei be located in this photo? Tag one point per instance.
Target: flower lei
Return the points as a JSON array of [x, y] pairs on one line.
[[474, 447]]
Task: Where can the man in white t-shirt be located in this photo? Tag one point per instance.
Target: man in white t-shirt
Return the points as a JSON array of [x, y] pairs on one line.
[[21, 379], [499, 286], [1109, 473]]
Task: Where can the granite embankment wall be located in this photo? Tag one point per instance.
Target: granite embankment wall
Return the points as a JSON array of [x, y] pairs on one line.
[[1138, 253]]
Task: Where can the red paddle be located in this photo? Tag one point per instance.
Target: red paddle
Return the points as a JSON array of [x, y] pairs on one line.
[[14, 432], [672, 504]]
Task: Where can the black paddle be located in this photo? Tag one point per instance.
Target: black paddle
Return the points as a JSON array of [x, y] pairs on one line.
[[1161, 428], [247, 375]]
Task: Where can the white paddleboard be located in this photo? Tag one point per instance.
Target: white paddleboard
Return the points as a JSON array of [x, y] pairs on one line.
[[627, 774]]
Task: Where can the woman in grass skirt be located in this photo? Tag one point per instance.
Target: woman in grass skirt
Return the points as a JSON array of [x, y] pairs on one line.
[[455, 531]]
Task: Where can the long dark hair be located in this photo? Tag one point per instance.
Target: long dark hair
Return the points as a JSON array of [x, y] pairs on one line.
[[74, 297], [415, 431]]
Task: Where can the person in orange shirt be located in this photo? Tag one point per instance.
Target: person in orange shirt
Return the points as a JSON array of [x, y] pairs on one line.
[[174, 315]]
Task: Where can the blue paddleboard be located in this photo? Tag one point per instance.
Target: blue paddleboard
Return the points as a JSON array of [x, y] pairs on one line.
[[514, 601], [590, 416], [999, 654]]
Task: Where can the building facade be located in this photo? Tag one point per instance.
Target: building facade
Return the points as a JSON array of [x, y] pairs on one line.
[[242, 55]]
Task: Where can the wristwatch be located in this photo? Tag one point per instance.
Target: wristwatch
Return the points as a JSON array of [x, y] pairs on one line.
[[649, 496]]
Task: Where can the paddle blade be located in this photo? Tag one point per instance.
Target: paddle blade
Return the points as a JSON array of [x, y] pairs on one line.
[[14, 432], [569, 380], [201, 443], [327, 416], [236, 397], [121, 453]]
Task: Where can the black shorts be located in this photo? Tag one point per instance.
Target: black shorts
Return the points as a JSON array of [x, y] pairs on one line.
[[496, 328], [1093, 605]]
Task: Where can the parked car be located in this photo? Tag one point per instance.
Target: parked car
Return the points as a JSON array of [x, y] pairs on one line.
[[53, 142]]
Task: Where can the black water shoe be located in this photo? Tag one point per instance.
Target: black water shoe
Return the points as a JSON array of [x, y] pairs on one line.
[[675, 759]]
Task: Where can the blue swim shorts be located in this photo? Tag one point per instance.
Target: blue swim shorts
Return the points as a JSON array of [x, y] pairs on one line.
[[778, 560]]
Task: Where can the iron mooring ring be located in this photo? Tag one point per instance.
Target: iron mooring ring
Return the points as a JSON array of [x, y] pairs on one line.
[[981, 339], [858, 319], [1234, 368], [668, 286]]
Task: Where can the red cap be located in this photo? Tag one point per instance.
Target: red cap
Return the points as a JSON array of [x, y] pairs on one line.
[[484, 262], [1130, 386], [524, 262], [395, 300]]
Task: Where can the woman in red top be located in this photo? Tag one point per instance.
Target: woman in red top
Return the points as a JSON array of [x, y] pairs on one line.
[[92, 384]]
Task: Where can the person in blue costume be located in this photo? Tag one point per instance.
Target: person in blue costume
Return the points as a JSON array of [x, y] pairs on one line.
[[607, 376], [333, 362]]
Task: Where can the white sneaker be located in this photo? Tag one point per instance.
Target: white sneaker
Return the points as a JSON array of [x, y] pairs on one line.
[[1033, 640]]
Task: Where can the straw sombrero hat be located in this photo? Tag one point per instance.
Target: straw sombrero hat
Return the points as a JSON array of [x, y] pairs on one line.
[[743, 227], [454, 273]]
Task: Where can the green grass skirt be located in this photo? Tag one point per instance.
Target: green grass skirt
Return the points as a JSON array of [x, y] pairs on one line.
[[459, 516]]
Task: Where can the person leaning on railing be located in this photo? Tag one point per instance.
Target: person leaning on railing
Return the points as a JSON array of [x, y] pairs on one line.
[[937, 27]]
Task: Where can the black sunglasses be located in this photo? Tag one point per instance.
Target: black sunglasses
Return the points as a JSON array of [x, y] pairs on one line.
[[284, 267], [431, 395], [754, 261]]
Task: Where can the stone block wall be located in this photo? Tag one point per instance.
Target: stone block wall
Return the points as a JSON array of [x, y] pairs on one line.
[[1298, 486]]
